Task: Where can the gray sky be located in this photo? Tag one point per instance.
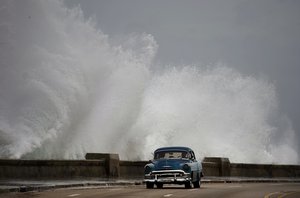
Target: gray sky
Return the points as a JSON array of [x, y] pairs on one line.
[[256, 37]]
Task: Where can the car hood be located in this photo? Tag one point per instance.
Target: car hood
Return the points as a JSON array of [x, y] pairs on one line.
[[169, 164]]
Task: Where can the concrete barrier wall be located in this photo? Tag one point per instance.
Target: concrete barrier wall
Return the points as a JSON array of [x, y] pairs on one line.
[[109, 166], [216, 166], [211, 169], [132, 169], [264, 170], [53, 169], [111, 163]]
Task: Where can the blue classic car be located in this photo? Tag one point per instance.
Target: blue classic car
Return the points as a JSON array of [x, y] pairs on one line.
[[173, 165]]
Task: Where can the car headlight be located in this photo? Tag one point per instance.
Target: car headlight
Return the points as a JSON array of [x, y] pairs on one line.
[[186, 168], [148, 169]]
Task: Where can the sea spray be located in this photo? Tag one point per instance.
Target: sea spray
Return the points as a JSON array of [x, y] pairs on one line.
[[66, 89], [218, 112]]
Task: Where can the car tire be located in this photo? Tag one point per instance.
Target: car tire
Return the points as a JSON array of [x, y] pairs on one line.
[[159, 185], [149, 185], [188, 185], [197, 183]]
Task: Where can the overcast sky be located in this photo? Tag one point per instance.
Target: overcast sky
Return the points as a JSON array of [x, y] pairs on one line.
[[260, 38]]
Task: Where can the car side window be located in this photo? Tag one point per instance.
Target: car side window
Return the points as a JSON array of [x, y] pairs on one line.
[[187, 155], [192, 155]]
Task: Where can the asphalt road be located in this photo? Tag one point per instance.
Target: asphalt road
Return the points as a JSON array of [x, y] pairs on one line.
[[226, 190]]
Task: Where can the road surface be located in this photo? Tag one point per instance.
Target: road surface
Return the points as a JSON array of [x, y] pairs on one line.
[[224, 190]]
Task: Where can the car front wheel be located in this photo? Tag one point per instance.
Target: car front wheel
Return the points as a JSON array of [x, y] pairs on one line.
[[159, 185], [196, 184], [188, 185], [149, 185]]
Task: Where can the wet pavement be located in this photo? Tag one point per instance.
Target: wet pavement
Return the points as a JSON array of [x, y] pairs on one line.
[[40, 185]]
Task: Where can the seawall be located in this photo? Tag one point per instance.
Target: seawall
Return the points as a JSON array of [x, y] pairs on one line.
[[104, 166]]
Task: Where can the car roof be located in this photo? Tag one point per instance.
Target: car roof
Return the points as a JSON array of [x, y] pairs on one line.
[[174, 148]]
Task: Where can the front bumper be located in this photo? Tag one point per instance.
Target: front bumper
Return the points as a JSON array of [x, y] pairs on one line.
[[168, 176]]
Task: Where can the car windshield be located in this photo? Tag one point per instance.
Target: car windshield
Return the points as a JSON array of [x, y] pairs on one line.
[[171, 154]]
